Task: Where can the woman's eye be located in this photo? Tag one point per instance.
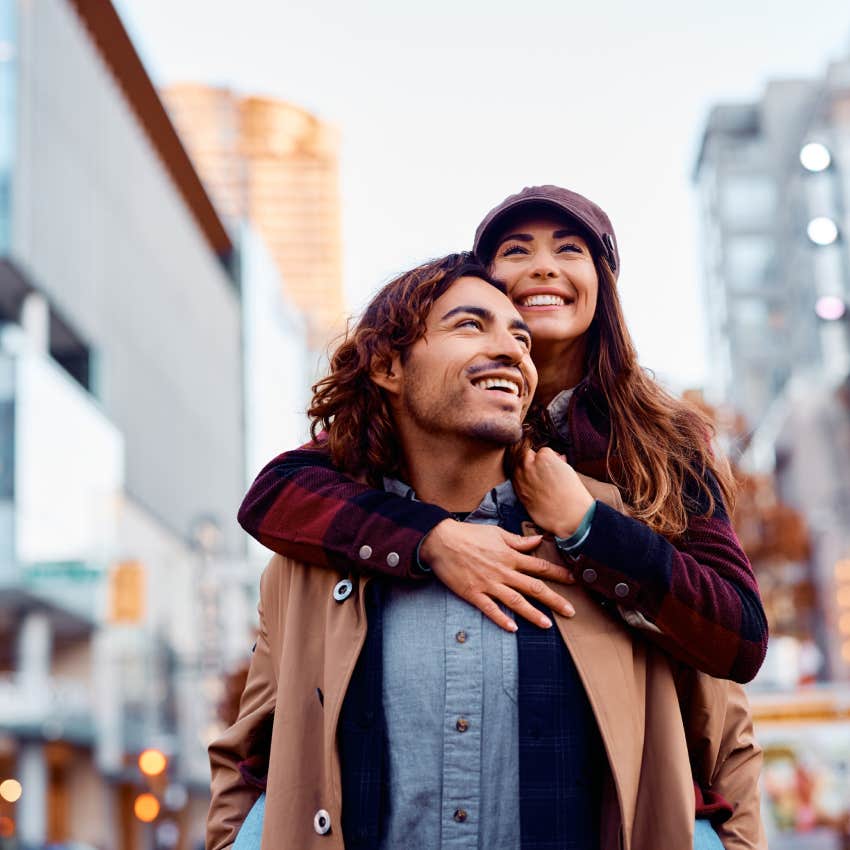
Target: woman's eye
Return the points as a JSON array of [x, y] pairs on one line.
[[570, 247], [514, 249]]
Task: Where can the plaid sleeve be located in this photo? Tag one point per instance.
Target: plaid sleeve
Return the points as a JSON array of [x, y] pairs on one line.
[[302, 507], [701, 594]]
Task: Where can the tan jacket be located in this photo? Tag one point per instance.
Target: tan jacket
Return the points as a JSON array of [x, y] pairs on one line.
[[309, 643]]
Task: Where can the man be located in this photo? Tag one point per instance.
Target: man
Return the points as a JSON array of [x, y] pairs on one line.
[[400, 717]]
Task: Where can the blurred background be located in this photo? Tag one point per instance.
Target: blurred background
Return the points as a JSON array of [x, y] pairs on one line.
[[193, 197]]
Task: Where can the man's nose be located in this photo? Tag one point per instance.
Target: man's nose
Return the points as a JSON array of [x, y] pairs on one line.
[[506, 347]]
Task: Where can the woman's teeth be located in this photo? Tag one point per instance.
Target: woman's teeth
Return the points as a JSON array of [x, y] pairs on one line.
[[543, 301]]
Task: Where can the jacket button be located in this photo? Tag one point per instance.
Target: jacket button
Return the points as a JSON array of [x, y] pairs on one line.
[[462, 724], [589, 575], [621, 589], [393, 559], [460, 815], [461, 636], [342, 590], [322, 822], [365, 553]]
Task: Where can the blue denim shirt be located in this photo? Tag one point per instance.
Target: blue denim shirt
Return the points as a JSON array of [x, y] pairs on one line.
[[450, 704]]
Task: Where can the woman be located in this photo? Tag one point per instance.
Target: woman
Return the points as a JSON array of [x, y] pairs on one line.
[[674, 568]]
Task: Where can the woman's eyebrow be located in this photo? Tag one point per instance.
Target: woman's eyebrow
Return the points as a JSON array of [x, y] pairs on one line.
[[520, 237], [563, 234]]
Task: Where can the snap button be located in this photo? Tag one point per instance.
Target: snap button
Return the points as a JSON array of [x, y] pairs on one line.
[[460, 815], [589, 575], [462, 724], [322, 822], [393, 559], [343, 589], [365, 552], [621, 589], [460, 637]]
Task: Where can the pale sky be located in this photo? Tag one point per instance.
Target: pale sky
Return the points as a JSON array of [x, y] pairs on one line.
[[446, 107]]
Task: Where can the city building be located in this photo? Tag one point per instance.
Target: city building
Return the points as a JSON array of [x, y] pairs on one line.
[[773, 182], [126, 356], [278, 166]]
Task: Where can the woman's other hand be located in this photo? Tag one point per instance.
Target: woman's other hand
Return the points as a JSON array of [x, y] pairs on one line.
[[551, 491], [485, 565]]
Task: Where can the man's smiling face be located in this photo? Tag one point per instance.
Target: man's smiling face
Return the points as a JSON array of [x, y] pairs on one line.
[[471, 374]]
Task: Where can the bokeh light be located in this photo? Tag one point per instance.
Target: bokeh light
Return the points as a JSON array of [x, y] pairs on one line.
[[830, 307], [815, 157], [152, 762], [10, 790], [7, 827], [146, 807], [822, 230]]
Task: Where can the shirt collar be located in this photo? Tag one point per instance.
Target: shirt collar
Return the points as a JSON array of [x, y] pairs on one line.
[[495, 502], [557, 410]]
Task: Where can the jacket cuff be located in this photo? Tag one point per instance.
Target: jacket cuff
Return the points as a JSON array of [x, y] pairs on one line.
[[397, 554], [621, 556]]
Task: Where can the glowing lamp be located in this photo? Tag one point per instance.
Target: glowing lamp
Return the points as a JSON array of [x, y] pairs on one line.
[[152, 762], [822, 230], [146, 807], [10, 790], [815, 157]]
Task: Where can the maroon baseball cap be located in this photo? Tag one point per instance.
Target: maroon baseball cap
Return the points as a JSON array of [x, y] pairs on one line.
[[592, 219]]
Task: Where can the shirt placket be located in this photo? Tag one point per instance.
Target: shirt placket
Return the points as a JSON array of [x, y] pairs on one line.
[[461, 801]]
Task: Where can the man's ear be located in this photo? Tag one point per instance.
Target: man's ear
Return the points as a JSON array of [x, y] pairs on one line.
[[388, 379]]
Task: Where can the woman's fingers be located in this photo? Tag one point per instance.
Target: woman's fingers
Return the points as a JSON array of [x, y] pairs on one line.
[[492, 611], [484, 565], [514, 600]]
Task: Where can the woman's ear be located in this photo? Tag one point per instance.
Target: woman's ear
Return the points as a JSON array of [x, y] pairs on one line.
[[388, 377]]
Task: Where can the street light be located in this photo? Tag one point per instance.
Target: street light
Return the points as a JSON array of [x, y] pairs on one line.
[[822, 230], [830, 308], [10, 790], [815, 157], [146, 807], [152, 762]]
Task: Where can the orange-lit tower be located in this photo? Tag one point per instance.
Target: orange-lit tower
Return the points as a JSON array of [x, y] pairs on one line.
[[277, 165]]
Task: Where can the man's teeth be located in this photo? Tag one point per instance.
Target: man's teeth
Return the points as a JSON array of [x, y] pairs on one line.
[[497, 384], [543, 301]]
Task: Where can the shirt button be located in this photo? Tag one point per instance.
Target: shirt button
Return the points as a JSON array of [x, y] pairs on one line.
[[462, 724], [460, 815], [342, 590], [460, 637], [589, 575], [322, 822], [365, 552], [392, 559], [621, 589]]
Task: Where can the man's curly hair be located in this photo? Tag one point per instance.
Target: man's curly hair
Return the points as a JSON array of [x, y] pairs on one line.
[[348, 406]]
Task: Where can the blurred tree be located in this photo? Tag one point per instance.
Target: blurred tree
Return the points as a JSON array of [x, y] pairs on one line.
[[773, 534]]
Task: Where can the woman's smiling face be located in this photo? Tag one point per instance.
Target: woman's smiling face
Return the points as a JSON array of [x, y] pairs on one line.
[[549, 271]]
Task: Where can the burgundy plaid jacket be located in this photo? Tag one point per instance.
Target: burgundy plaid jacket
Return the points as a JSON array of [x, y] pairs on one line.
[[701, 593]]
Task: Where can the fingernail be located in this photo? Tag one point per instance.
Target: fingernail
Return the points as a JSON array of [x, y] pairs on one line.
[[512, 626], [568, 611], [546, 622]]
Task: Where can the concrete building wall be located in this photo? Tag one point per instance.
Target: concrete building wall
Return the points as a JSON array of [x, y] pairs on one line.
[[99, 227]]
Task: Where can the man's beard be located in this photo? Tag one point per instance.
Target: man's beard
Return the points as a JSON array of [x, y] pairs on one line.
[[439, 416]]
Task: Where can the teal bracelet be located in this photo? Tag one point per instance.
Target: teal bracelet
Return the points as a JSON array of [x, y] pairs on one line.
[[574, 541]]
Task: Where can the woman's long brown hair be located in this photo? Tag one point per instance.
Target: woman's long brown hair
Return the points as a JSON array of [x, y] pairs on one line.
[[347, 404], [662, 444]]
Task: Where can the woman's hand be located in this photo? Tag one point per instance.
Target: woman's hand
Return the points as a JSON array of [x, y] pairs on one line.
[[551, 491], [485, 565]]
